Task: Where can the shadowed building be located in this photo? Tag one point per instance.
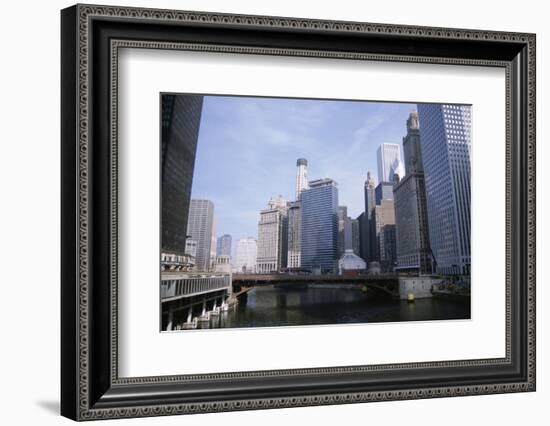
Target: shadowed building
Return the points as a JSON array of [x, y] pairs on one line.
[[384, 228], [342, 219], [412, 236], [368, 236], [383, 191], [355, 236], [181, 116]]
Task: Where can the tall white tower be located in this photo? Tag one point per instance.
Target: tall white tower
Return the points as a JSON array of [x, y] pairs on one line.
[[389, 162], [301, 177]]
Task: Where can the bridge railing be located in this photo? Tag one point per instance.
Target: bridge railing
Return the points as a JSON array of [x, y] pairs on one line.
[[186, 285]]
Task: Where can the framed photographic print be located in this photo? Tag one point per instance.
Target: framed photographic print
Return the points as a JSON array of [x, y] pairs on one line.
[[263, 212]]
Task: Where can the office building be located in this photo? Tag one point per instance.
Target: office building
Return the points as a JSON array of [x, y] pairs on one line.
[[200, 228], [223, 245], [342, 218], [181, 117], [301, 177], [383, 191], [389, 162], [445, 136], [383, 216], [368, 236], [411, 220], [294, 235], [273, 237], [246, 251], [355, 236], [319, 239]]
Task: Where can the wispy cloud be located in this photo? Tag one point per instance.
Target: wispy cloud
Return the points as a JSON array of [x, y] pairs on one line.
[[248, 148]]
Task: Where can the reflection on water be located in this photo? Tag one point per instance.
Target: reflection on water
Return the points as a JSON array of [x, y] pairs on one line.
[[271, 306]]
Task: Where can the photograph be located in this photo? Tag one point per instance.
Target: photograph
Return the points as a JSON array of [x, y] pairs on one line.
[[280, 212]]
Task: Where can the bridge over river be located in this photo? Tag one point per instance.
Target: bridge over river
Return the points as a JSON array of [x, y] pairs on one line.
[[385, 283]]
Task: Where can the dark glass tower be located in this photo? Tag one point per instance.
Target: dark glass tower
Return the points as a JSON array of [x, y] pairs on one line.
[[181, 116], [319, 239]]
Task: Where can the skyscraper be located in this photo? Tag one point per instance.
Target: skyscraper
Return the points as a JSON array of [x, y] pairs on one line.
[[342, 217], [389, 162], [319, 237], [273, 237], [383, 191], [348, 232], [445, 136], [412, 236], [368, 236], [246, 251], [355, 236], [223, 245], [200, 228], [181, 117], [294, 234], [301, 177], [384, 228]]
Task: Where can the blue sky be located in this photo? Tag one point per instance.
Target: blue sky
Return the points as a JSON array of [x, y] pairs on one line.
[[247, 151]]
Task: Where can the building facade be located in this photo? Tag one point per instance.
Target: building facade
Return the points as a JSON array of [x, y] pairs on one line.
[[342, 219], [319, 239], [383, 191], [246, 251], [389, 162], [355, 236], [200, 228], [223, 245], [294, 235], [412, 235], [181, 117], [301, 177], [445, 135], [272, 237], [368, 236], [384, 220]]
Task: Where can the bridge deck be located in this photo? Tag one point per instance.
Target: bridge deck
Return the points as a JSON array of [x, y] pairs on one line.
[[277, 278]]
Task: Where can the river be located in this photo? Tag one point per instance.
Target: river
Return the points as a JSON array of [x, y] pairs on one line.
[[274, 306]]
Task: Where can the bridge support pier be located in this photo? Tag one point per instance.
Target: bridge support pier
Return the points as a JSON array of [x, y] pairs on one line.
[[170, 320], [418, 287]]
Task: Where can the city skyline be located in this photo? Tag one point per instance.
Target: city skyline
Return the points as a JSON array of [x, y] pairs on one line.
[[410, 241], [338, 138]]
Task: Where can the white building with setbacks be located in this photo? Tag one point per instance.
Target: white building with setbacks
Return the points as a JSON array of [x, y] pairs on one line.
[[246, 251], [389, 162]]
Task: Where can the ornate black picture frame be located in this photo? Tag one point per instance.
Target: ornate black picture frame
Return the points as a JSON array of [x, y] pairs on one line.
[[91, 387]]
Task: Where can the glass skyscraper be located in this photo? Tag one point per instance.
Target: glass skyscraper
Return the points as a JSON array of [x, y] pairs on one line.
[[445, 135], [319, 239], [181, 116]]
